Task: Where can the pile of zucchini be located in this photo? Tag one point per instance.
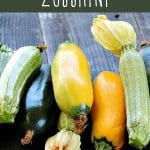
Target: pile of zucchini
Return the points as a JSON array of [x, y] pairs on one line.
[[26, 95], [33, 94]]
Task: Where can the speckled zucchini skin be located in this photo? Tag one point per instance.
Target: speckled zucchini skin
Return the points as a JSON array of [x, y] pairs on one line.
[[20, 69], [135, 83]]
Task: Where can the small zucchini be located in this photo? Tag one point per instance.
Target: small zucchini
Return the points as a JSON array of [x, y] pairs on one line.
[[39, 107], [72, 82], [108, 112], [5, 55], [20, 69]]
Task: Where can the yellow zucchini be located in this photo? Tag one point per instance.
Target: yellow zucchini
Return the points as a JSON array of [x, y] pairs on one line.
[[72, 81], [108, 112]]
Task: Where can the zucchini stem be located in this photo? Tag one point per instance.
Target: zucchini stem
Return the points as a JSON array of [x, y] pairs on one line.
[[145, 43], [103, 144], [127, 48], [27, 138], [42, 48], [80, 123]]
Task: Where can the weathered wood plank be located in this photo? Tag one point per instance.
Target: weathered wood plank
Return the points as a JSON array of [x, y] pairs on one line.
[[20, 29], [143, 21]]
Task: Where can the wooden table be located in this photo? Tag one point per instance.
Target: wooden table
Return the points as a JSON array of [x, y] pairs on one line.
[[20, 29]]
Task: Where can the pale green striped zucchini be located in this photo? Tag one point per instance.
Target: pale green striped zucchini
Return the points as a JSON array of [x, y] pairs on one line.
[[19, 70], [135, 83]]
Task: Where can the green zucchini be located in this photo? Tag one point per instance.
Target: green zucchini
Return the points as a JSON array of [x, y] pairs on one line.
[[20, 69], [39, 112], [5, 55], [135, 83]]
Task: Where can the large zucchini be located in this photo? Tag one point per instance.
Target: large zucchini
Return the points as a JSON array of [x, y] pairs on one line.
[[5, 55], [72, 83], [39, 108], [120, 38], [19, 70], [134, 78]]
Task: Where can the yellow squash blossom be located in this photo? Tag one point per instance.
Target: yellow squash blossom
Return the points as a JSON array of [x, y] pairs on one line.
[[113, 35]]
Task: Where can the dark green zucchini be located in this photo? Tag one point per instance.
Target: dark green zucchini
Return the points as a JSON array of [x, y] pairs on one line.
[[39, 106], [5, 55], [145, 53]]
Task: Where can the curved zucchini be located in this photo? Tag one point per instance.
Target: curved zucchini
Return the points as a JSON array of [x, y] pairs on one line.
[[72, 82], [40, 109], [20, 69]]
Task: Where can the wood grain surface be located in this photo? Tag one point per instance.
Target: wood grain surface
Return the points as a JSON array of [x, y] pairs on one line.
[[51, 29]]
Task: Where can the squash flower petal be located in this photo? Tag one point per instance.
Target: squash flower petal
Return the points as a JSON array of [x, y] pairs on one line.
[[113, 35]]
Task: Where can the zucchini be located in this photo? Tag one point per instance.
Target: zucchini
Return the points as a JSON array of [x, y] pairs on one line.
[[72, 83], [108, 123], [20, 69], [40, 111], [135, 83], [5, 55]]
